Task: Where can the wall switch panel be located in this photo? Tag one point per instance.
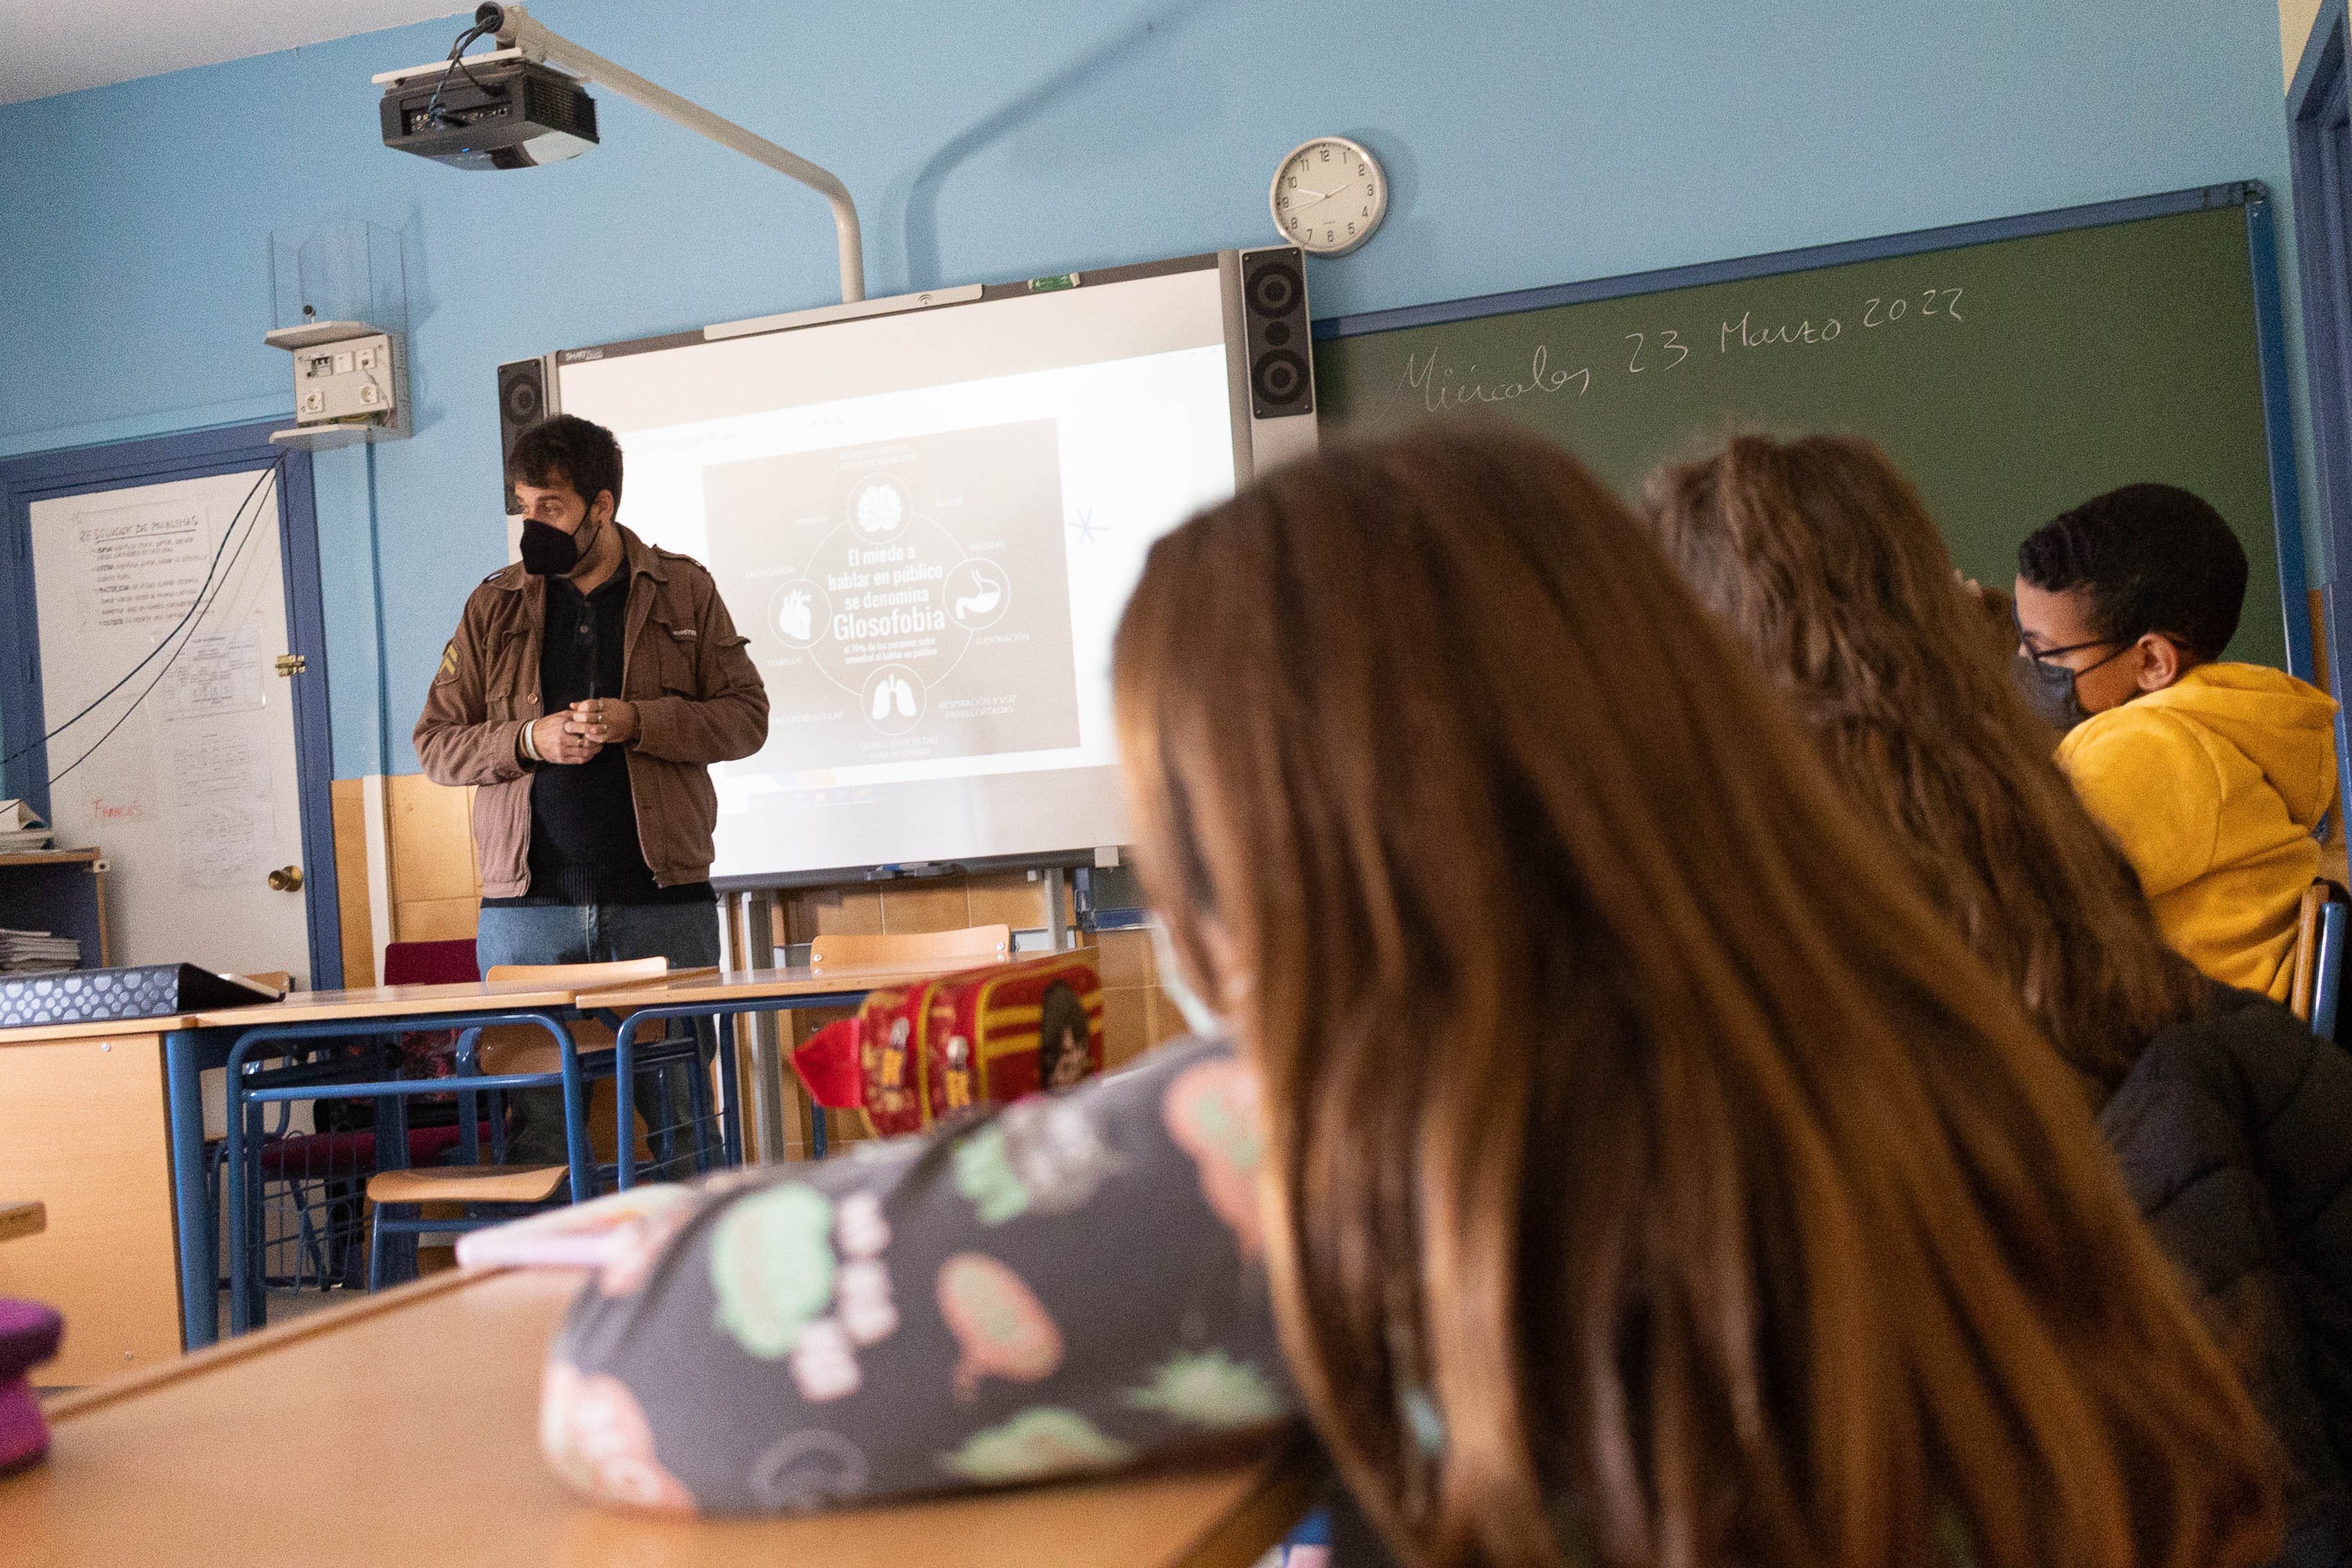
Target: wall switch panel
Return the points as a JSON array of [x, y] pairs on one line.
[[351, 384], [335, 381]]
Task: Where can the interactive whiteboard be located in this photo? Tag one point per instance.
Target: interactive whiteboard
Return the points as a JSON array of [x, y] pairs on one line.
[[927, 523]]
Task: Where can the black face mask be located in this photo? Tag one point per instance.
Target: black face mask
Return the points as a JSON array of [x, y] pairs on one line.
[[2050, 690], [2050, 687], [548, 551]]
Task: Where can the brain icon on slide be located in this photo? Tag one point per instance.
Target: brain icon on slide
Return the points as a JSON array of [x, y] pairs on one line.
[[882, 507]]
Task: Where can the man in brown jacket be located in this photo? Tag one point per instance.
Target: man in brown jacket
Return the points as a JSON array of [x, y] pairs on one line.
[[586, 693]]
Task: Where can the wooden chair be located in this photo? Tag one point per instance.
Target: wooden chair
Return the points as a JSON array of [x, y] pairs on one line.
[[968, 948], [501, 1050], [22, 1217], [2306, 950], [2319, 954]]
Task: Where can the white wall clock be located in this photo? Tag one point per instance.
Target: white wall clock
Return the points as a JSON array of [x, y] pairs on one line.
[[1328, 194]]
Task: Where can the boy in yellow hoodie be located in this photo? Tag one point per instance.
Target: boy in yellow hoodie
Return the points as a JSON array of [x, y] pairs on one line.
[[2212, 776]]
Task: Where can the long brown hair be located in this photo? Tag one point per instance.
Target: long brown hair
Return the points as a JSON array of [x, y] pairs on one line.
[[1652, 1176], [1819, 556]]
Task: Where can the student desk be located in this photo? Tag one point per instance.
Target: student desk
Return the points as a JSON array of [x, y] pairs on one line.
[[415, 1414], [82, 1128], [105, 1122], [714, 997], [205, 1044]]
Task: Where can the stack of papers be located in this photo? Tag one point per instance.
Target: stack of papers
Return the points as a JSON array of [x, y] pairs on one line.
[[37, 951], [21, 828]]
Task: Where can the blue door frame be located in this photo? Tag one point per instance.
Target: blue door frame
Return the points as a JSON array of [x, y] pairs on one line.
[[200, 454], [2319, 127]]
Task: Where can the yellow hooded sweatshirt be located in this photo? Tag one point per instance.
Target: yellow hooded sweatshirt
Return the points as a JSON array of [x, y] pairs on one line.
[[2212, 787]]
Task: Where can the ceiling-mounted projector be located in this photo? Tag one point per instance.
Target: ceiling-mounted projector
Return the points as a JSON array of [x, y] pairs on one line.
[[488, 113], [514, 109]]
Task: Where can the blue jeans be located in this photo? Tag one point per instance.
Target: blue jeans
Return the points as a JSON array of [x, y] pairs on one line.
[[686, 934]]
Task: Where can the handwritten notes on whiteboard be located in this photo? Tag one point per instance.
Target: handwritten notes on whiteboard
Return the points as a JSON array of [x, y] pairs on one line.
[[143, 565]]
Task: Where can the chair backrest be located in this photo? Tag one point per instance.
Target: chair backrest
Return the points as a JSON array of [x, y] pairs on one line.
[[2327, 969], [581, 974], [973, 944], [429, 964], [524, 1048], [2306, 949]]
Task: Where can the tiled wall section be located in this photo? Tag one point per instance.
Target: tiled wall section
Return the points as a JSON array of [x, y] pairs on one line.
[[435, 895]]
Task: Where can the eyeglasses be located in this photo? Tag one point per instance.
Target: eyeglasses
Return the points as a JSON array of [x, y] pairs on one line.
[[2043, 656]]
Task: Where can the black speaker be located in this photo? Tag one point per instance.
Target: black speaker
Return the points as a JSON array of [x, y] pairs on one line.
[[523, 403], [1281, 363]]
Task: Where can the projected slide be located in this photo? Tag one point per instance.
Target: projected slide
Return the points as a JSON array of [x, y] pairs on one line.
[[913, 593], [926, 524]]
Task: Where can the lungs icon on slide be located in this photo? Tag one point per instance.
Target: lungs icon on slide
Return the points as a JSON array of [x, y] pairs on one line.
[[894, 698], [978, 593]]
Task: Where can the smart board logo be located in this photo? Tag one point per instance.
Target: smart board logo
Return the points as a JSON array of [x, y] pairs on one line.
[[576, 357]]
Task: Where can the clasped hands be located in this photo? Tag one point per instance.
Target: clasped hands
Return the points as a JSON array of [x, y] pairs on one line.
[[584, 729]]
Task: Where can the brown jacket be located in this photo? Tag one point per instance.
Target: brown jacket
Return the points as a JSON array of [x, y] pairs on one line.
[[698, 698]]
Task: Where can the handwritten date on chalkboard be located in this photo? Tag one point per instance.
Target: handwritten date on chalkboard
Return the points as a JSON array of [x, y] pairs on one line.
[[1664, 350]]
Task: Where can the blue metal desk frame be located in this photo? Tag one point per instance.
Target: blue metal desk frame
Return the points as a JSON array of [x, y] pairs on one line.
[[624, 1046], [188, 1053]]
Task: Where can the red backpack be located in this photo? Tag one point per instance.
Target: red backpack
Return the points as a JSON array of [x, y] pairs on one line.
[[914, 1054]]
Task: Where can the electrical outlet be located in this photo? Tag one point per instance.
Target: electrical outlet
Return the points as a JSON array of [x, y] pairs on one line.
[[355, 380]]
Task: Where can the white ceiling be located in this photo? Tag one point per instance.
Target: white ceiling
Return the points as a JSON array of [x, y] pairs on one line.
[[63, 45]]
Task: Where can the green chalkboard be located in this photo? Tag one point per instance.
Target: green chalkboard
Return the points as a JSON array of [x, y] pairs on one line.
[[2011, 378]]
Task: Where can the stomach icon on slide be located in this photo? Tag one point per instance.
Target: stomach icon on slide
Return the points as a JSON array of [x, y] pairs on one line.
[[978, 594], [893, 700]]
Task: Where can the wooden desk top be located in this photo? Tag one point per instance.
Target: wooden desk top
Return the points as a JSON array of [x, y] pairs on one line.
[[415, 1415], [119, 1028], [48, 857], [22, 1219], [394, 1002], [761, 985]]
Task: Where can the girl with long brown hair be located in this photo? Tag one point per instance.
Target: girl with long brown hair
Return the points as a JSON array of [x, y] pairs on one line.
[[2224, 1112], [1652, 1176], [1636, 1168], [1819, 557]]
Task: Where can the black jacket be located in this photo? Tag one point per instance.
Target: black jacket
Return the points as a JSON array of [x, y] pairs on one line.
[[2235, 1131]]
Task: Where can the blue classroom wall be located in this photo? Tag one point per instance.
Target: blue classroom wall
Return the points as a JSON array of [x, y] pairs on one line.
[[1526, 144]]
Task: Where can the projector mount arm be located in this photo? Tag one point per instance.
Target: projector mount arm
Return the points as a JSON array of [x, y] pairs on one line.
[[515, 29]]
